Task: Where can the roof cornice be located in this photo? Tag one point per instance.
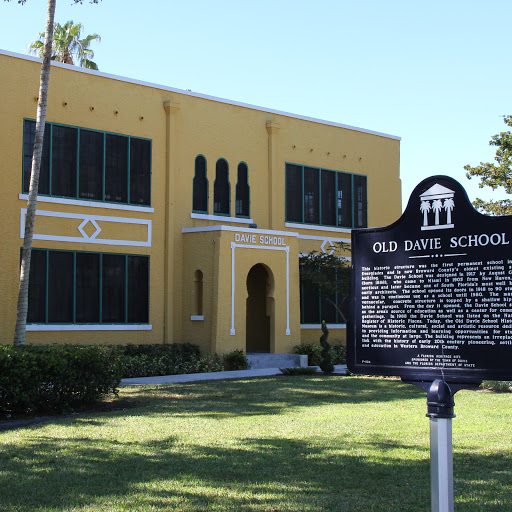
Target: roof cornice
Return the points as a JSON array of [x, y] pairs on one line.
[[142, 83]]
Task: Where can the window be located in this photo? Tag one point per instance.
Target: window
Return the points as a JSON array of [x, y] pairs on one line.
[[91, 165], [29, 133], [221, 196], [361, 205], [200, 186], [87, 164], [79, 287], [140, 171], [242, 191], [326, 198], [315, 307]]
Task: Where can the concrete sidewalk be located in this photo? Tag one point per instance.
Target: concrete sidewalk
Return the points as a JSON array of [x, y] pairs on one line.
[[192, 377]]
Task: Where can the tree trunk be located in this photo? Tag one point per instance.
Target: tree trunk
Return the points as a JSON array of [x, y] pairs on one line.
[[21, 319], [337, 309]]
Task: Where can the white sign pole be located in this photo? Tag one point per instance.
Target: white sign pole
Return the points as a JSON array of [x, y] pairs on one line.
[[441, 464]]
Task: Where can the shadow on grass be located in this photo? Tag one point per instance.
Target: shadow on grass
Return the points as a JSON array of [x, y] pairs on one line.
[[255, 473], [273, 395], [161, 476], [261, 474]]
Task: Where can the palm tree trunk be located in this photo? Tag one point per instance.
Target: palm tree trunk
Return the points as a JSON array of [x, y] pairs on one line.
[[21, 318]]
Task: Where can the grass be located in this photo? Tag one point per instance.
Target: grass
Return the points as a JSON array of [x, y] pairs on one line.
[[275, 444]]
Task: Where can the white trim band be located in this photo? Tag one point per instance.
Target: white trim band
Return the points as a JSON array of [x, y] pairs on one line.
[[234, 246], [319, 326], [92, 204], [216, 218], [92, 239], [89, 327], [240, 230], [316, 228]]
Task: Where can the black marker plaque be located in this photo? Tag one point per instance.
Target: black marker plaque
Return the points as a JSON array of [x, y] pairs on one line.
[[431, 295]]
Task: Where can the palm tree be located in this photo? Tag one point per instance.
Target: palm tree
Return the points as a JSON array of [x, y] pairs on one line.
[[449, 205], [42, 100], [21, 318], [67, 46], [437, 205], [425, 208]]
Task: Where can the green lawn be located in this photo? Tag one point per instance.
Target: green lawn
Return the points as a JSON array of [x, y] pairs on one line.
[[276, 444]]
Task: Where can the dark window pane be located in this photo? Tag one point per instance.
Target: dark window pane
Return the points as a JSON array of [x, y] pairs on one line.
[[64, 153], [344, 200], [200, 186], [91, 165], [360, 203], [311, 196], [328, 310], [327, 301], [116, 169], [221, 188], [140, 171], [113, 291], [293, 193], [242, 191], [28, 148], [60, 287], [138, 289], [328, 198], [310, 304], [343, 303], [87, 287], [37, 288]]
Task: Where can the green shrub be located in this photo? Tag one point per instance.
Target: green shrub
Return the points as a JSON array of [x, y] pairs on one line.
[[235, 360], [499, 386], [305, 370], [158, 359], [312, 351], [326, 363], [173, 359], [339, 354], [204, 364], [56, 378]]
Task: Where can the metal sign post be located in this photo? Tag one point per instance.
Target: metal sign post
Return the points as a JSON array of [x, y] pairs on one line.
[[441, 464], [440, 405], [440, 410], [430, 302]]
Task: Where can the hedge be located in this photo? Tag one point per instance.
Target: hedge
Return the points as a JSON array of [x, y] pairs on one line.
[[172, 359], [56, 378]]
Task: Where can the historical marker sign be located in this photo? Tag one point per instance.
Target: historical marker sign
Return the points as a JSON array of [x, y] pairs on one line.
[[431, 295]]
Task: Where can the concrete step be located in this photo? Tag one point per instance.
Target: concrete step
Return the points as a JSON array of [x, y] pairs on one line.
[[261, 360]]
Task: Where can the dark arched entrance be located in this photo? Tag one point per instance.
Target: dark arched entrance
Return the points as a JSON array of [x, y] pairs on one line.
[[259, 309]]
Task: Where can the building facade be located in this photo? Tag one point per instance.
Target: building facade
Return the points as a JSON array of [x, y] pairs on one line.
[[169, 216]]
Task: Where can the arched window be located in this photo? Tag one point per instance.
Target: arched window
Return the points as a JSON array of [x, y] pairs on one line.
[[198, 293], [200, 185], [221, 197], [242, 191]]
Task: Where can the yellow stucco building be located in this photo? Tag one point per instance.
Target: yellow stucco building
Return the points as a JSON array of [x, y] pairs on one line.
[[170, 216]]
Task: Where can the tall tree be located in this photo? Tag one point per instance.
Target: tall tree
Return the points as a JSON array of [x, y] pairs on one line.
[[67, 45], [22, 309], [497, 174], [329, 273]]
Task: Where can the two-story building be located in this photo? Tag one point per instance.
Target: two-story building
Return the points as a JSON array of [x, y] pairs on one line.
[[167, 216]]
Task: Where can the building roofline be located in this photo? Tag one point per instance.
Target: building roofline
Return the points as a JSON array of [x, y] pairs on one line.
[[196, 94]]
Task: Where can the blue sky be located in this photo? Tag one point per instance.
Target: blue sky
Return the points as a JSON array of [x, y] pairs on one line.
[[435, 73]]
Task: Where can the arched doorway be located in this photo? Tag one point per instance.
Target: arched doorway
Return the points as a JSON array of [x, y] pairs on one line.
[[259, 309]]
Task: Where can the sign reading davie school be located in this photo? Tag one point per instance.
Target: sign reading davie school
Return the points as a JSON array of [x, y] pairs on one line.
[[431, 295]]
